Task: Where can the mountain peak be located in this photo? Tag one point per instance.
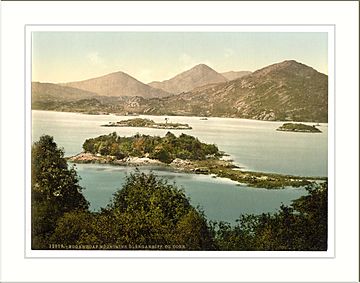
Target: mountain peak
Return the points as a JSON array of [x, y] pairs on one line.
[[285, 63], [117, 84], [197, 76], [290, 66], [289, 63], [201, 66], [116, 74]]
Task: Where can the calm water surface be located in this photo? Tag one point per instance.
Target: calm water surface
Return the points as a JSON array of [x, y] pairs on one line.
[[253, 145]]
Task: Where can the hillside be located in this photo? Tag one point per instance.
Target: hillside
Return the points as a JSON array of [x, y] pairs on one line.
[[54, 92], [197, 76], [117, 84], [283, 91]]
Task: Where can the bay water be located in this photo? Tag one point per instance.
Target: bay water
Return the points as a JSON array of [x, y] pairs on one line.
[[253, 145]]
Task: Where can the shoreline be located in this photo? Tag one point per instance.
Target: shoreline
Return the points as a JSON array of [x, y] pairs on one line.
[[216, 167], [190, 116], [147, 123], [299, 131]]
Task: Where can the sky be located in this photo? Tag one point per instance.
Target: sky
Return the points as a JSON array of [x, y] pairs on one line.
[[155, 56]]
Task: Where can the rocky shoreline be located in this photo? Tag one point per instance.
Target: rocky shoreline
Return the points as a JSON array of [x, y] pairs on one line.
[[85, 157], [178, 164], [215, 167]]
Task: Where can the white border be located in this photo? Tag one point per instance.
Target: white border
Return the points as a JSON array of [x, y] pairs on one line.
[[14, 267], [185, 254]]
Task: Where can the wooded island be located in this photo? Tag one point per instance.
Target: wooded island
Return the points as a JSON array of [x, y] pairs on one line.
[[184, 153], [147, 123], [298, 127]]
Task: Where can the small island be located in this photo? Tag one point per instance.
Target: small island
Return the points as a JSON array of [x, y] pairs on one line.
[[184, 153], [298, 127], [95, 113], [147, 123]]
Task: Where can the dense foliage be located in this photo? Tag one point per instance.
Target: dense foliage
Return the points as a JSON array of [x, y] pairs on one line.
[[146, 212], [299, 227], [55, 189], [141, 122], [165, 149], [137, 122], [149, 213]]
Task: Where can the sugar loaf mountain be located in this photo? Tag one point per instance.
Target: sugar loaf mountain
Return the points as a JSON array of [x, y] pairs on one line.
[[199, 75], [284, 91]]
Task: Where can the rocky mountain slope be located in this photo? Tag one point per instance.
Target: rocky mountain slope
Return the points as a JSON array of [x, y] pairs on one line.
[[284, 91], [199, 75]]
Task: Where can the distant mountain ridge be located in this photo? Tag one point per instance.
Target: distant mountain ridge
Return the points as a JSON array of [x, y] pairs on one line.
[[117, 84], [286, 91], [197, 76], [49, 91]]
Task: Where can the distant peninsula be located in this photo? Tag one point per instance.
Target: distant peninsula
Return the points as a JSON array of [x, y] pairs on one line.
[[298, 127], [147, 123]]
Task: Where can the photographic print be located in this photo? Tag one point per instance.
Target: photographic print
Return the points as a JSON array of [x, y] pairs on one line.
[[179, 140]]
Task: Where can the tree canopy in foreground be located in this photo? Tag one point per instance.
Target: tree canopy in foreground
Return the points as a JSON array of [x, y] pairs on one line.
[[55, 190], [146, 212]]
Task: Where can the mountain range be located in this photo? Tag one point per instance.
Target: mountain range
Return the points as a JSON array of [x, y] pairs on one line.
[[287, 90], [283, 91]]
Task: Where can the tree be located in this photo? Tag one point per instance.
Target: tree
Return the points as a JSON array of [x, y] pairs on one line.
[[193, 230], [165, 149], [160, 153], [149, 211], [302, 226], [313, 209], [75, 228], [55, 189]]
